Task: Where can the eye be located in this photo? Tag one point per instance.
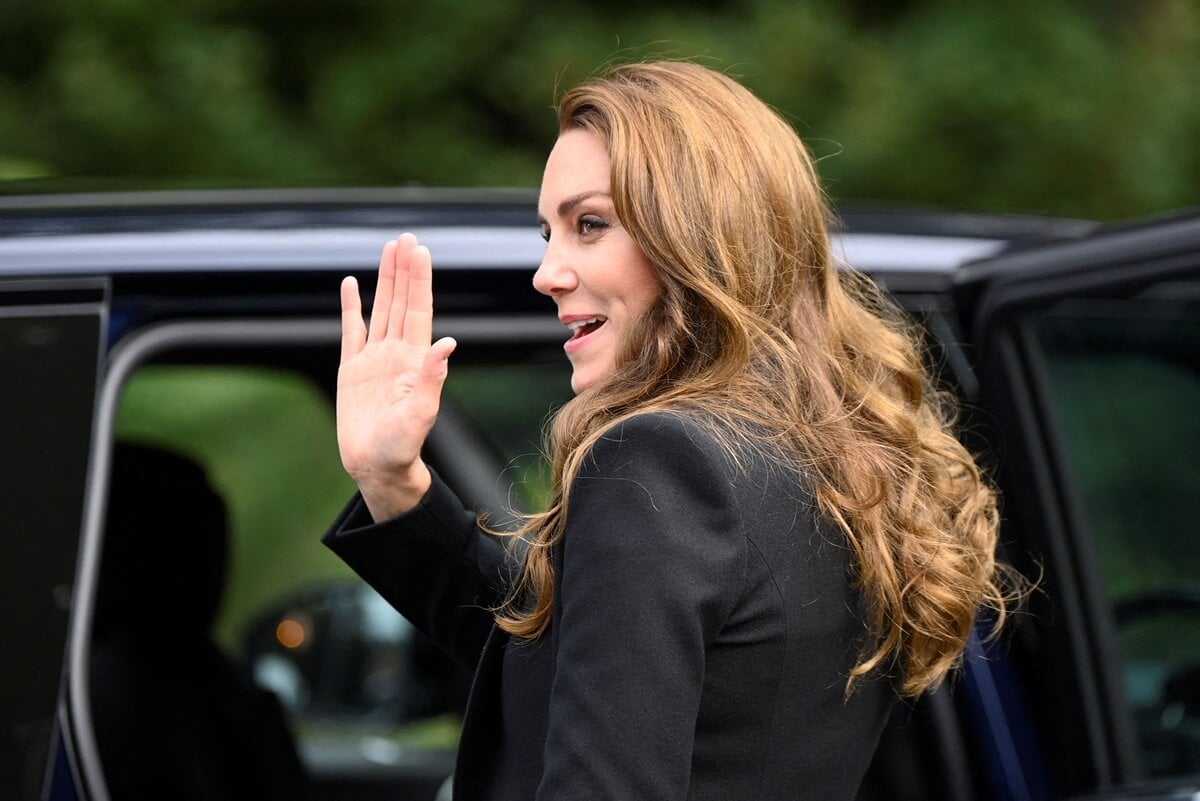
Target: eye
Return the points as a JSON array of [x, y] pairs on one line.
[[590, 224], [545, 232]]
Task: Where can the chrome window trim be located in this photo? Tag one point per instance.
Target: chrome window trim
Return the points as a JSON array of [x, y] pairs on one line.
[[357, 249]]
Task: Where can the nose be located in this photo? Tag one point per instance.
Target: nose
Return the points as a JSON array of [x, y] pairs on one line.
[[554, 277]]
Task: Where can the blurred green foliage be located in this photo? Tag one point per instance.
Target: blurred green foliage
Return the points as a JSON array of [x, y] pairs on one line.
[[1075, 108]]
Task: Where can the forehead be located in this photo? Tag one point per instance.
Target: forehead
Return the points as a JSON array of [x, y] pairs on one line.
[[578, 163]]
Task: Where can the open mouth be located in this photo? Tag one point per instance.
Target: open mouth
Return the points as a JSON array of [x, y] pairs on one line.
[[581, 328]]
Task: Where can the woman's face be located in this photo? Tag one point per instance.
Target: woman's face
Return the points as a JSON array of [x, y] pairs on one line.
[[596, 274]]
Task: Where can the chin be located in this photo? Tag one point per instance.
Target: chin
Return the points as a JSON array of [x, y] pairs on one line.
[[589, 375], [582, 380]]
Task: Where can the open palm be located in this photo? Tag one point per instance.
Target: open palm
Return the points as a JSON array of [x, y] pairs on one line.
[[390, 380]]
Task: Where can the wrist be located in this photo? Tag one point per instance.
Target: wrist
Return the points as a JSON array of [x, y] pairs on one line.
[[392, 495]]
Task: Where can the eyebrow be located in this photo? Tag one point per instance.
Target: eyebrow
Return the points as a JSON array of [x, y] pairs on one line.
[[565, 207]]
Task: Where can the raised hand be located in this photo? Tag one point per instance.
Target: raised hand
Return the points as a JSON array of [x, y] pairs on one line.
[[390, 380]]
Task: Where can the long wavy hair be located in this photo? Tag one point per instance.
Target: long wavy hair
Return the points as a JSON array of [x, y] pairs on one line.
[[761, 336]]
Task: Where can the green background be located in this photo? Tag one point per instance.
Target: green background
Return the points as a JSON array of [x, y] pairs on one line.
[[1087, 109]]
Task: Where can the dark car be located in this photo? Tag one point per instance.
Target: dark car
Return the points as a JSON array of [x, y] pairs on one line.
[[167, 370]]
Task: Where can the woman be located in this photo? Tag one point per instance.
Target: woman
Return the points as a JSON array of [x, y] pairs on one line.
[[762, 531]]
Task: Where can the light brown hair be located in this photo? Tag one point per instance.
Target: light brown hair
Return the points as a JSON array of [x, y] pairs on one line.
[[759, 332]]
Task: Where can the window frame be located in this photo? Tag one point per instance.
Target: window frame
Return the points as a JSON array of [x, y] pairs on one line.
[[51, 532], [1089, 734], [142, 345]]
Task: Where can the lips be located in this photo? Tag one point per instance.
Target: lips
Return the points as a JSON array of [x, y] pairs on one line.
[[582, 327]]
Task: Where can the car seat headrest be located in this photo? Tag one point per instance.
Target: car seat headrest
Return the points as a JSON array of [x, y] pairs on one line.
[[165, 544]]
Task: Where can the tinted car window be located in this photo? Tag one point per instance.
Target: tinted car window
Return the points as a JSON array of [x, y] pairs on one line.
[[366, 697], [1123, 379], [509, 405], [48, 358]]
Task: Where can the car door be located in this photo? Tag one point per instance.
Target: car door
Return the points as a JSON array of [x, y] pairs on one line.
[[248, 397], [51, 338], [1088, 358]]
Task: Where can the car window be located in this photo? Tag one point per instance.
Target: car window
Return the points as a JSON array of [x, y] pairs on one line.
[[267, 440], [509, 407], [48, 360], [364, 693], [1123, 380]]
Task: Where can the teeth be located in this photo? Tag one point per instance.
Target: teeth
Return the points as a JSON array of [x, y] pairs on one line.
[[577, 324]]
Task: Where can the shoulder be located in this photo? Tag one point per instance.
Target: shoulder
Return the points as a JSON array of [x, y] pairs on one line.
[[659, 462], [660, 438], [689, 457], [654, 491]]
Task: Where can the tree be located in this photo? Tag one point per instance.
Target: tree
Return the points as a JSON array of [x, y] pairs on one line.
[[1066, 108]]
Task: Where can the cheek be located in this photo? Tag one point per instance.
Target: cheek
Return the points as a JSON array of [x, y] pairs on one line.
[[645, 289], [627, 276]]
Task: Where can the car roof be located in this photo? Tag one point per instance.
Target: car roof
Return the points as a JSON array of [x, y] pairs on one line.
[[467, 229]]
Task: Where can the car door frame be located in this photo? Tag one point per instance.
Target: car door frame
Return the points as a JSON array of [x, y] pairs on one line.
[[141, 343], [52, 352], [1033, 469]]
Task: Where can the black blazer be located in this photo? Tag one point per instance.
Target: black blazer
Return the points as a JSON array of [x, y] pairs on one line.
[[704, 626]]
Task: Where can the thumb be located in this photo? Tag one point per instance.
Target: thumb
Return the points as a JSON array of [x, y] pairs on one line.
[[437, 362]]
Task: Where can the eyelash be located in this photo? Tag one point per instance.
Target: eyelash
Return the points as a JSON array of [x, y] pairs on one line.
[[587, 224], [590, 224]]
